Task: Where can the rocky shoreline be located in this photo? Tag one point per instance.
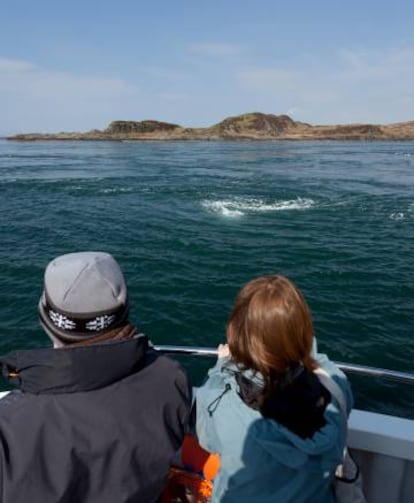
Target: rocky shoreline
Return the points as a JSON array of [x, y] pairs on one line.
[[251, 126]]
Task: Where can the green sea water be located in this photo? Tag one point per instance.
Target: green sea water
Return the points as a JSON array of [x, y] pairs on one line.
[[191, 222]]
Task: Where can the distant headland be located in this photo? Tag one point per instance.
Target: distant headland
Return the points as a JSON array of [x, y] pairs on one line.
[[251, 126]]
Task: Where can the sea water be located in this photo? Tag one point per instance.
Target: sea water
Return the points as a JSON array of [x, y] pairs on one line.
[[191, 222]]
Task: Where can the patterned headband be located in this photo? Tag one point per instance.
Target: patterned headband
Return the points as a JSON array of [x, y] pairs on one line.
[[94, 324]]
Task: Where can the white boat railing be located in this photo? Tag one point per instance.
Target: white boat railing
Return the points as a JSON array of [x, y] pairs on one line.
[[351, 368]]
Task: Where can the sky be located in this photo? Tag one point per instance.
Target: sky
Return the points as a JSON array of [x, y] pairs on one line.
[[78, 65]]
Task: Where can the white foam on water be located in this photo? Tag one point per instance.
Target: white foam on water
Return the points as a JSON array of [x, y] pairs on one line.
[[240, 206], [225, 208], [116, 190], [397, 216]]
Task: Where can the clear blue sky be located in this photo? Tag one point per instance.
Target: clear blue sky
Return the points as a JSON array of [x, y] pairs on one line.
[[77, 65]]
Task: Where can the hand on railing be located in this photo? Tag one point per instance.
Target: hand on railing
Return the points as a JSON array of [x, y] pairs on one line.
[[223, 351]]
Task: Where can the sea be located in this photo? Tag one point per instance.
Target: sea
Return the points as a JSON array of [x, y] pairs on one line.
[[191, 222]]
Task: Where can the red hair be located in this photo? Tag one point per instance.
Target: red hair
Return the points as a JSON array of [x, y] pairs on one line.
[[270, 328]]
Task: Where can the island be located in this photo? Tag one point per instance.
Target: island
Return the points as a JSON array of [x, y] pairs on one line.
[[250, 126]]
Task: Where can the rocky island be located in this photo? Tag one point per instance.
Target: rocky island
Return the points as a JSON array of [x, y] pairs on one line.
[[251, 126]]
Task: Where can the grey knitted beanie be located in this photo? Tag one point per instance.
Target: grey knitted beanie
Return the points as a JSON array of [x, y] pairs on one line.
[[84, 295]]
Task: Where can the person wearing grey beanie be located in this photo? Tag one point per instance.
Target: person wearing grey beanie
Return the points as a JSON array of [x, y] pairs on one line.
[[85, 299], [98, 417]]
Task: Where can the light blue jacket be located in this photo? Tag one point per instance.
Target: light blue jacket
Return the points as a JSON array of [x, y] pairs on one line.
[[261, 460]]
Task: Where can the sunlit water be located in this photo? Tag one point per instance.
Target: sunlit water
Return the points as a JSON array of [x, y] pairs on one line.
[[191, 222]]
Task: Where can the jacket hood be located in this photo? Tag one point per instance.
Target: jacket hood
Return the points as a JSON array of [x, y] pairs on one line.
[[322, 449], [70, 370], [293, 451]]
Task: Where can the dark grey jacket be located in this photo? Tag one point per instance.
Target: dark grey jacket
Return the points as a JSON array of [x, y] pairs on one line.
[[90, 424]]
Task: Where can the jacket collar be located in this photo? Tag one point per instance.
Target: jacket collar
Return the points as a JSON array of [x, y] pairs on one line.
[[70, 370]]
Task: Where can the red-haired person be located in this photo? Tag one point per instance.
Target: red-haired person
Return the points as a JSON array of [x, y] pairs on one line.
[[278, 430]]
